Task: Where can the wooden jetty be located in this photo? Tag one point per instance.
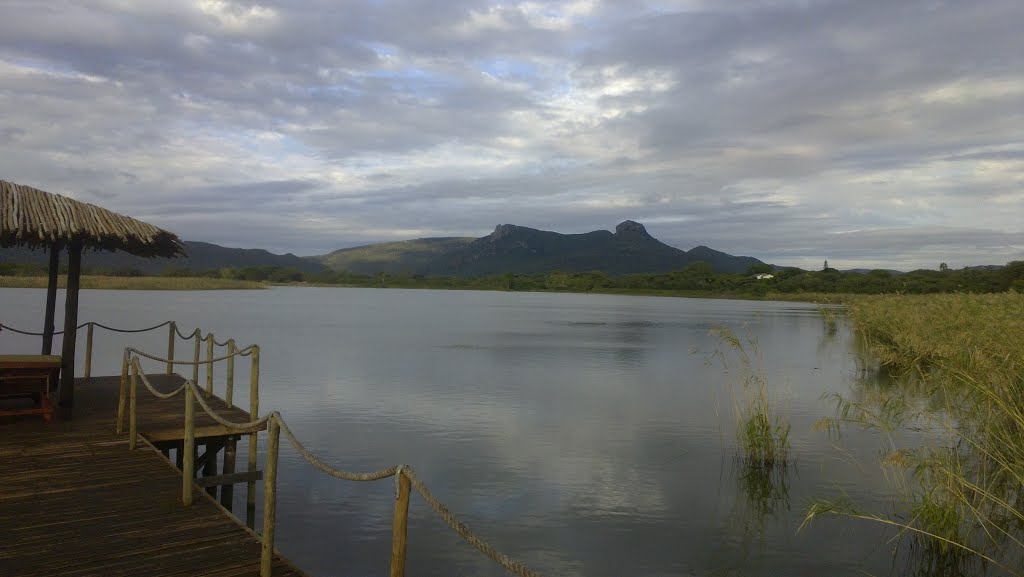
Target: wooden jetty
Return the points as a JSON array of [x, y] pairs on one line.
[[75, 501], [79, 497]]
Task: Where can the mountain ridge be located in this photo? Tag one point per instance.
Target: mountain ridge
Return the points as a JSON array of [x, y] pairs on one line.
[[509, 248]]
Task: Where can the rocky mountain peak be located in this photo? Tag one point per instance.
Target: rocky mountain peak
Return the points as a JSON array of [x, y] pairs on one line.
[[502, 230], [630, 227]]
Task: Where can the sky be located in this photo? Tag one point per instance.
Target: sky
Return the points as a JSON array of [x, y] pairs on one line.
[[868, 133]]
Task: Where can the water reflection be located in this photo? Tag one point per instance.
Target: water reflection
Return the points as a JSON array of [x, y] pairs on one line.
[[574, 432], [765, 493]]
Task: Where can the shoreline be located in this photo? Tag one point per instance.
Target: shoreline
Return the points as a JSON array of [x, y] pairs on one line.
[[159, 283]]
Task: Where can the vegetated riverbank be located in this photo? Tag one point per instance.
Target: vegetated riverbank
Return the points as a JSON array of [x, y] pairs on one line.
[[963, 504], [136, 283], [212, 283]]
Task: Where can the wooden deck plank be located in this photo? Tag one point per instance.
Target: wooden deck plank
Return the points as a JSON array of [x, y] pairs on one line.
[[76, 502]]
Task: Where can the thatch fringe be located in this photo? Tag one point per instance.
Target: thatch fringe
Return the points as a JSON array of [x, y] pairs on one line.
[[35, 218]]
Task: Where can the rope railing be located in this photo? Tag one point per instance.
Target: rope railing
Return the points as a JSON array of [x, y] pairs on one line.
[[91, 326], [4, 327], [405, 477], [238, 353]]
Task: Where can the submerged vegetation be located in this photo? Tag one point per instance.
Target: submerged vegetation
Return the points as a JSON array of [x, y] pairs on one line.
[[962, 487]]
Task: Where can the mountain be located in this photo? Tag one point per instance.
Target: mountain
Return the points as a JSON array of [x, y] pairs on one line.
[[519, 249], [392, 257], [630, 249], [509, 249], [201, 256]]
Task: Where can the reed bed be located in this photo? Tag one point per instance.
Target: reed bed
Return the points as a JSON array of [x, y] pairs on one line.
[[137, 283], [963, 502]]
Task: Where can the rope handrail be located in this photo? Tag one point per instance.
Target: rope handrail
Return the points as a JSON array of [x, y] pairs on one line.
[[319, 464], [446, 515], [101, 325], [188, 336], [509, 564], [198, 394], [117, 330], [239, 353], [158, 394]]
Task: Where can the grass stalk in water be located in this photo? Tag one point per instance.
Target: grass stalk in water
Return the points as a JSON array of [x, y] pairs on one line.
[[828, 314], [762, 436]]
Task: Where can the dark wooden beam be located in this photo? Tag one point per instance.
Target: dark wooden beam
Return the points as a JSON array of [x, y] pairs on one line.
[[51, 298], [210, 463], [67, 370], [243, 477], [227, 492]]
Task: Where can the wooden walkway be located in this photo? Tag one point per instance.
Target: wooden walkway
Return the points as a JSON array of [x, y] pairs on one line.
[[75, 501]]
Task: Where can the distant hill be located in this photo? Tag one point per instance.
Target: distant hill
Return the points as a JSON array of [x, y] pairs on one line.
[[509, 249], [518, 249], [412, 256], [201, 256]]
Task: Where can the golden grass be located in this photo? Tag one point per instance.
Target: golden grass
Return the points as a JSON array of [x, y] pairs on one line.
[[966, 497], [137, 283]]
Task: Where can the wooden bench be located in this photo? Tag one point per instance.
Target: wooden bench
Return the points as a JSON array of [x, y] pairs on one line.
[[34, 376]]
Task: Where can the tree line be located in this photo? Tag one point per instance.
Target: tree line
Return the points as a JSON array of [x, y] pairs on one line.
[[697, 278]]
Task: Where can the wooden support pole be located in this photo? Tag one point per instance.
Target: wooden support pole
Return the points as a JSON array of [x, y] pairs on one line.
[[210, 464], [195, 358], [132, 417], [122, 392], [189, 448], [67, 370], [254, 411], [88, 351], [400, 527], [171, 329], [209, 363], [270, 498], [51, 298], [227, 492], [229, 393]]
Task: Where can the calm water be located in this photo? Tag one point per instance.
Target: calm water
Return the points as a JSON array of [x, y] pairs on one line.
[[582, 434]]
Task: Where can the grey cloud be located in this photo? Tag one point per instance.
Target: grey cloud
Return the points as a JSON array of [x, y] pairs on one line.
[[761, 128]]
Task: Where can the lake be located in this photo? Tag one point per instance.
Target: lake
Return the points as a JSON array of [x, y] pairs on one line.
[[580, 434]]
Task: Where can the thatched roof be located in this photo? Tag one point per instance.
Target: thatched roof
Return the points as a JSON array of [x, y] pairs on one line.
[[35, 218]]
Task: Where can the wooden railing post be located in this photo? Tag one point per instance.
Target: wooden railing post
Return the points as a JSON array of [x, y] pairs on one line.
[[88, 351], [209, 363], [171, 329], [270, 498], [122, 392], [400, 528], [132, 418], [195, 358], [189, 448], [254, 411], [229, 394]]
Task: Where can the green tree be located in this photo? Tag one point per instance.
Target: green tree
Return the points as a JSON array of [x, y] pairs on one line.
[[759, 268]]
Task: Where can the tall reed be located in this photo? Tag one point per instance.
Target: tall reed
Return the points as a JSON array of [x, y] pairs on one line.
[[762, 436], [964, 502]]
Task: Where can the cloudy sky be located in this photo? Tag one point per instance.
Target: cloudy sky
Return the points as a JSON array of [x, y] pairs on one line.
[[871, 133]]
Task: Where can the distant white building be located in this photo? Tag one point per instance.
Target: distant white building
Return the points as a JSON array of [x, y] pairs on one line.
[[763, 276]]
